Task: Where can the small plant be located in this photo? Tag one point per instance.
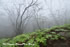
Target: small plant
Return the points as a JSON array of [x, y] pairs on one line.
[[40, 37]]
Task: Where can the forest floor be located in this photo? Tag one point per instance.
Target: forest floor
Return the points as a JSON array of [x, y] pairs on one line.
[[58, 36]]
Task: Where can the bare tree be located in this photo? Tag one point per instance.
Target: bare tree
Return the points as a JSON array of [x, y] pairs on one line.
[[21, 18], [37, 16], [39, 19], [60, 16], [55, 17]]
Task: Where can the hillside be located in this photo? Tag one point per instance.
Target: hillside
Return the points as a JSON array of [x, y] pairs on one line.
[[52, 37]]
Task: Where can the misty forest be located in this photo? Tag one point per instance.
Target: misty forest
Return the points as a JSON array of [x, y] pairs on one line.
[[34, 23]]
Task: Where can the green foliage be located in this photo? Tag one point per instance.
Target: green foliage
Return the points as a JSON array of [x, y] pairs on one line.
[[40, 36], [3, 41]]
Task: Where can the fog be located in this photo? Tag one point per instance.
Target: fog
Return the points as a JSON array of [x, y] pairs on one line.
[[50, 13]]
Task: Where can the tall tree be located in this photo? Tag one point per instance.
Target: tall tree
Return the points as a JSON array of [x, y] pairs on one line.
[[21, 17]]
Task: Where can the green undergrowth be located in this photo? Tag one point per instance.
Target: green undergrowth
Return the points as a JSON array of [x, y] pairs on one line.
[[35, 39]]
